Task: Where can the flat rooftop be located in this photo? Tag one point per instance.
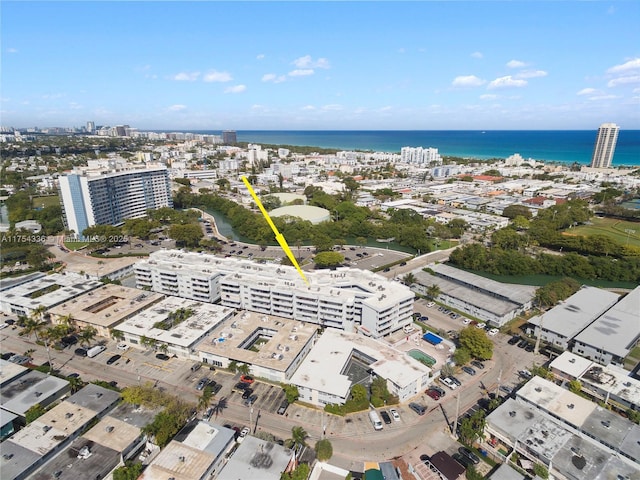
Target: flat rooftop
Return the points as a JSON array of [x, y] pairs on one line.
[[322, 369], [618, 329], [181, 462], [204, 318], [467, 294], [15, 459], [29, 389], [107, 306], [283, 339], [571, 364], [9, 371], [571, 316], [94, 397], [554, 399], [113, 433], [53, 428], [255, 459], [49, 291], [208, 437], [610, 379]]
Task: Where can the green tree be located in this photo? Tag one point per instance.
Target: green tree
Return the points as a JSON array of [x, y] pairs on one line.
[[233, 366], [243, 368], [299, 436], [409, 279], [324, 450], [433, 291], [291, 392], [473, 474], [575, 386], [87, 334], [188, 235], [205, 398], [328, 259], [34, 412], [300, 473], [541, 471], [476, 342], [513, 211], [472, 427], [130, 471], [461, 356]]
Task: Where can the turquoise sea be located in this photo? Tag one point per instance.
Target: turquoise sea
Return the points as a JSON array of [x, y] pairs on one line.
[[565, 146]]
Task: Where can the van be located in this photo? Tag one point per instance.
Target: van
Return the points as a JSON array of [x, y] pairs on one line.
[[92, 352], [375, 420], [196, 366]]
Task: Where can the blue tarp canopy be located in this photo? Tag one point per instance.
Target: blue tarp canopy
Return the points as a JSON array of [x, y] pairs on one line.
[[432, 338]]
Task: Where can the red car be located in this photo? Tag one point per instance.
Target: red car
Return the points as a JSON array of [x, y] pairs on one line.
[[247, 379], [433, 394]]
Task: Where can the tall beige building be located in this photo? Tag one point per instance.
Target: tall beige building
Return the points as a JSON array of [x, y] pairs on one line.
[[605, 145]]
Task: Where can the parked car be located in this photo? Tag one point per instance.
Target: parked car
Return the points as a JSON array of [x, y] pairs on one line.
[[202, 383], [449, 383], [462, 460], [243, 433], [385, 417], [455, 380], [247, 379], [7, 355], [530, 347], [162, 356], [465, 452], [513, 340], [247, 393], [418, 408], [394, 414], [441, 391], [477, 364], [251, 400], [468, 370], [430, 304], [506, 389], [123, 346], [113, 359], [82, 352], [523, 343], [493, 331], [481, 325], [433, 394], [283, 407]]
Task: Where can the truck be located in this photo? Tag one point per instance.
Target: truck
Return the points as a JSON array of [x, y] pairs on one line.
[[93, 351], [375, 420]]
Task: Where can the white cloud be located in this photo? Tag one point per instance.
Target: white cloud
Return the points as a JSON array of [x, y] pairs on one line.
[[587, 91], [307, 62], [260, 56], [488, 96], [308, 107], [333, 107], [624, 80], [386, 109], [506, 82], [12, 50], [477, 55], [633, 64], [176, 108], [215, 76], [52, 96], [235, 89], [301, 72], [604, 97], [467, 81], [272, 77], [516, 64], [531, 74], [186, 76], [75, 106]]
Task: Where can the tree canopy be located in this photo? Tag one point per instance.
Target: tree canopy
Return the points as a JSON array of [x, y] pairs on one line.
[[476, 342]]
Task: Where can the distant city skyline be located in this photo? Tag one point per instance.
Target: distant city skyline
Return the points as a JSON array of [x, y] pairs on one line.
[[321, 65]]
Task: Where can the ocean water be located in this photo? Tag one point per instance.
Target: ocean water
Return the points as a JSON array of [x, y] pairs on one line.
[[565, 146]]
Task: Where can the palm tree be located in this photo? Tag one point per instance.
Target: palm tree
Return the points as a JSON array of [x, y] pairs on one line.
[[51, 335], [205, 398], [75, 383], [299, 436], [164, 348], [66, 321], [409, 279], [116, 334], [87, 334], [33, 325], [244, 369], [433, 291]]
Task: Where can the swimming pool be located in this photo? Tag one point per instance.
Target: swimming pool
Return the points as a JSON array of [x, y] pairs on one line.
[[422, 357]]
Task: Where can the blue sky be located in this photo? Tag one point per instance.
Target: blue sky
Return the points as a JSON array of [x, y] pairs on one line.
[[321, 65]]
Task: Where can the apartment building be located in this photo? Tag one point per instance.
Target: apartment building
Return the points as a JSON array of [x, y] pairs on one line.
[[347, 299], [92, 197]]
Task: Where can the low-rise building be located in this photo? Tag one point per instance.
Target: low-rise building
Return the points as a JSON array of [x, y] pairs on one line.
[[610, 338], [255, 458], [272, 346], [323, 378], [173, 322], [562, 323], [490, 301], [48, 291], [104, 308], [32, 388]]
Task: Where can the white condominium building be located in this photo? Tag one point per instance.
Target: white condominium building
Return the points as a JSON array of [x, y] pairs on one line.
[[605, 145], [347, 299], [96, 198], [420, 156]]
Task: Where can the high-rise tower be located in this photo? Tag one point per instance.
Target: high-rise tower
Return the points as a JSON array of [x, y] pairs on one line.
[[605, 145]]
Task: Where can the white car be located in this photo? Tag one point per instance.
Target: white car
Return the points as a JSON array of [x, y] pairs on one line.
[[394, 414], [430, 304], [448, 382], [481, 325], [493, 331], [3, 325], [123, 346], [243, 433], [466, 321]]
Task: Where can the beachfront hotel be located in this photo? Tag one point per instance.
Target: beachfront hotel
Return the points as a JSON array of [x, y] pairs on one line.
[[605, 145], [97, 198], [347, 299]]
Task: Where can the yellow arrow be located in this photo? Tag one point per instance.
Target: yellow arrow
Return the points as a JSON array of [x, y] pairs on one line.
[[279, 237]]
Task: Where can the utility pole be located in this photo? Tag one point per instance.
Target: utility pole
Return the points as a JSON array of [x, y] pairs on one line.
[[455, 420]]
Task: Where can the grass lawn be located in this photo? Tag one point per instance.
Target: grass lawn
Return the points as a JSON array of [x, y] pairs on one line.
[[48, 201], [616, 229], [75, 245]]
